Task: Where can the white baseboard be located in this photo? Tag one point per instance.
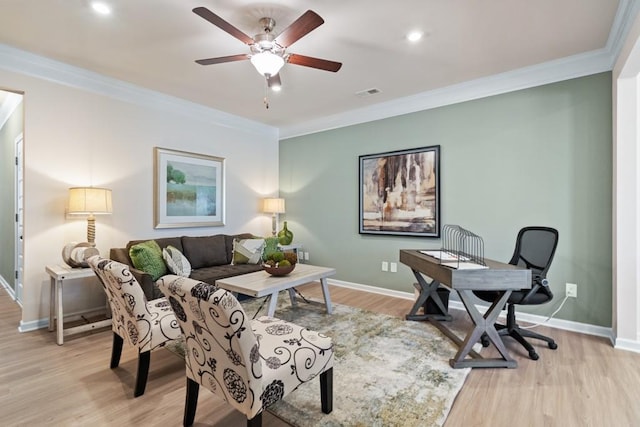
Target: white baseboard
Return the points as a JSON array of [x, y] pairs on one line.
[[623, 344], [456, 304], [33, 325], [8, 288]]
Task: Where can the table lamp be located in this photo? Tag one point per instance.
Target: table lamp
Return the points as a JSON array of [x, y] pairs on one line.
[[89, 201], [274, 206]]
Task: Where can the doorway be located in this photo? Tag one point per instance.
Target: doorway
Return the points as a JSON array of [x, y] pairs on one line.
[[19, 211], [11, 188]]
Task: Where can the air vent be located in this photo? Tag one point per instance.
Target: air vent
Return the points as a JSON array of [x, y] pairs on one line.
[[368, 92]]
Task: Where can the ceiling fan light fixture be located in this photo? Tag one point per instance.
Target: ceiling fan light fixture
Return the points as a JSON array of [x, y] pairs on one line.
[[414, 36], [267, 63], [101, 8]]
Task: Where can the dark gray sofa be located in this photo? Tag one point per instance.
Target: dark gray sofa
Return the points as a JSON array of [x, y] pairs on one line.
[[210, 258]]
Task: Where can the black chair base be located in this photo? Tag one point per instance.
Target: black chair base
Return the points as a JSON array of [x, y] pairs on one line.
[[143, 364], [514, 331]]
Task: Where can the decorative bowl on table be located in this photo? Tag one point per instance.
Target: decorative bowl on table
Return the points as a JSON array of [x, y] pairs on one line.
[[278, 271]]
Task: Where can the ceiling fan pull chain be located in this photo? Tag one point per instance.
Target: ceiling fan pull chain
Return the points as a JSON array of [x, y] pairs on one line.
[[266, 94]]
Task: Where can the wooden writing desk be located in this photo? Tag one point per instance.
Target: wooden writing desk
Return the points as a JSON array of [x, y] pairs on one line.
[[501, 277]]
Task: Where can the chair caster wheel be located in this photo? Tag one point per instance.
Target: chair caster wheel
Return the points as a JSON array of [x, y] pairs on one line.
[[533, 355], [553, 345]]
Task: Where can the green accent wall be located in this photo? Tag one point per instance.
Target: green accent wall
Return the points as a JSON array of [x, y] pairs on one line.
[[540, 156]]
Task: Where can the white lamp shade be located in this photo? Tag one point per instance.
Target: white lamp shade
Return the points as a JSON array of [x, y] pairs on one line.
[[273, 205], [267, 63], [89, 200]]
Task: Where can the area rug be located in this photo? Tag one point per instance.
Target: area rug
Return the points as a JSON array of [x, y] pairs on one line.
[[387, 371]]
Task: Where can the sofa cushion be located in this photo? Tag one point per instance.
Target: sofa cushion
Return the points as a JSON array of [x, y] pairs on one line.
[[206, 251], [211, 274], [176, 262], [147, 256], [247, 251]]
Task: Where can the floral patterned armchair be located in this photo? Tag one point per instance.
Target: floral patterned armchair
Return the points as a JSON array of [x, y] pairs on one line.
[[144, 324], [249, 363]]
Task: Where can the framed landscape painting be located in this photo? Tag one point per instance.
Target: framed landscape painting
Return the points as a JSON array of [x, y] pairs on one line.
[[400, 192], [189, 189]]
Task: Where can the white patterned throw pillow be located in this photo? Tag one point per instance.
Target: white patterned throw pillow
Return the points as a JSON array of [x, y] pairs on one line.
[[247, 251], [177, 263]]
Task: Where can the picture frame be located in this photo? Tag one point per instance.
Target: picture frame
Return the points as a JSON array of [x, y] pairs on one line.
[[188, 189], [400, 192]]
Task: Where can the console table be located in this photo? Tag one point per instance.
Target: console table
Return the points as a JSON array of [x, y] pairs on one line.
[[499, 276], [295, 248], [59, 275]]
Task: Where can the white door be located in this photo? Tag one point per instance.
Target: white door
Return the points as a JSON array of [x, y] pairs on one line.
[[19, 211]]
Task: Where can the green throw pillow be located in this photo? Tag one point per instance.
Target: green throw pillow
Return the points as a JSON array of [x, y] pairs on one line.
[[147, 256]]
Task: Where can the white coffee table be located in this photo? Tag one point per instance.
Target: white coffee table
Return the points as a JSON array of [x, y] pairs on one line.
[[261, 283]]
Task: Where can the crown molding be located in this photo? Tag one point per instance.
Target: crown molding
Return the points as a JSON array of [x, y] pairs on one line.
[[571, 67], [27, 63]]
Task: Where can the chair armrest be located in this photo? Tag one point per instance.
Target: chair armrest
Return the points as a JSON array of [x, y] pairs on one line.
[[540, 284]]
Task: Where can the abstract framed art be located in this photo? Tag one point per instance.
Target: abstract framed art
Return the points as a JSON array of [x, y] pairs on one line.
[[400, 192], [189, 189]]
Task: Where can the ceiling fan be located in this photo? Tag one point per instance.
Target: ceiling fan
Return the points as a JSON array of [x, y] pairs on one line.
[[268, 52]]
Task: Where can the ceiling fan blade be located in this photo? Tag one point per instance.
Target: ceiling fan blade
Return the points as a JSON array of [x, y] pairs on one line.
[[274, 81], [223, 25], [308, 22], [223, 59], [308, 61]]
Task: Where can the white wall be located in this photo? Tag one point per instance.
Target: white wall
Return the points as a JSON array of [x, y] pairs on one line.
[[78, 136], [626, 206]]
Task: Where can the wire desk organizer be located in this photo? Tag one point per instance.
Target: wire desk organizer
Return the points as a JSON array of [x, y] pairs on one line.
[[461, 249]]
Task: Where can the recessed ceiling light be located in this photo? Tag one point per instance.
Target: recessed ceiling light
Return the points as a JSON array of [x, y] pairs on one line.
[[414, 36], [101, 8]]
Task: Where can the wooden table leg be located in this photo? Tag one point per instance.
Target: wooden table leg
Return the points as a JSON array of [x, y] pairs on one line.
[[273, 301], [52, 304], [59, 314], [292, 295], [427, 289], [482, 324], [325, 293]]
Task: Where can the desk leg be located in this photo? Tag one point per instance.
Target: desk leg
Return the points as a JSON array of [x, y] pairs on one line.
[[273, 302], [325, 293], [482, 324], [52, 303], [427, 290], [59, 314]]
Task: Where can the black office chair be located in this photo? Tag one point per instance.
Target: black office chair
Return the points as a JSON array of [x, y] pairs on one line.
[[535, 248]]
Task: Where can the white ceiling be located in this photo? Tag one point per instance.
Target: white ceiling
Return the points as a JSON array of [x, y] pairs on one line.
[[153, 44]]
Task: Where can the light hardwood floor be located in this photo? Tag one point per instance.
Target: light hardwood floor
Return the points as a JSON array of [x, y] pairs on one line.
[[583, 383]]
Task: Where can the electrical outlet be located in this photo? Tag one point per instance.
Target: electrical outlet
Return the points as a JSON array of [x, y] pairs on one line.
[[394, 267], [385, 266], [572, 290]]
